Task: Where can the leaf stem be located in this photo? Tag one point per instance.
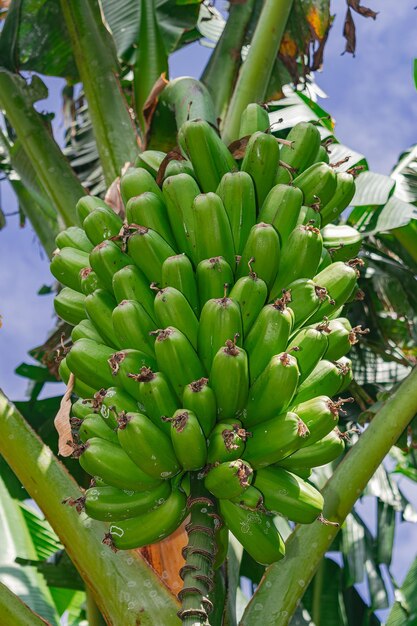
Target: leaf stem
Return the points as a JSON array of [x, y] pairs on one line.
[[255, 72]]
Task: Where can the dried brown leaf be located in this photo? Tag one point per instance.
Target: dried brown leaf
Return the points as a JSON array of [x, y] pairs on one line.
[[113, 196], [173, 155], [364, 11], [62, 421], [151, 103], [349, 33]]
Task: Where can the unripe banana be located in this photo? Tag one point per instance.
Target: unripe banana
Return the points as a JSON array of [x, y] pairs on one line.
[[132, 326], [111, 504], [255, 531], [326, 378], [212, 275], [87, 360], [229, 480], [66, 265], [300, 258], [226, 442], [250, 292], [106, 259], [263, 251], [110, 462], [177, 271], [344, 192], [172, 309], [254, 118], [273, 390], [325, 260], [319, 453], [322, 156], [94, 426], [309, 345], [208, 154], [199, 398], [213, 235], [177, 359], [339, 279], [237, 193], [345, 367], [149, 210], [309, 215], [250, 499], [69, 306], [287, 494], [175, 167], [305, 142], [220, 319], [281, 208], [229, 379], [83, 390], [112, 401], [150, 160], [340, 338], [156, 397], [89, 281], [99, 307], [102, 224], [87, 204], [149, 250], [150, 527], [147, 446], [137, 181], [320, 415], [342, 241], [125, 365], [188, 440], [81, 408], [130, 283], [318, 184], [73, 237], [304, 297], [275, 439], [179, 194], [268, 336], [261, 161]]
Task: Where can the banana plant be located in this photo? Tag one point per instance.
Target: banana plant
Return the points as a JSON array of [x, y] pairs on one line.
[[120, 52]]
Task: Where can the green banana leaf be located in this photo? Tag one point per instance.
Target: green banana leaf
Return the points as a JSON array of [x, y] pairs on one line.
[[404, 610]]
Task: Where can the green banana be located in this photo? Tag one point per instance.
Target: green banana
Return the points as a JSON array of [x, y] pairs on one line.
[[111, 504], [147, 446], [125, 365], [83, 390], [309, 346], [89, 281], [106, 259], [149, 250], [220, 320], [255, 531], [268, 336], [226, 442], [175, 167], [250, 499], [300, 257], [81, 408], [325, 260], [172, 309], [281, 208], [287, 494], [261, 161], [132, 327], [179, 193], [229, 480], [177, 359], [321, 452], [150, 160], [69, 306], [212, 275], [149, 210], [102, 224], [177, 271], [110, 462], [305, 143], [275, 439], [199, 398], [345, 367], [149, 527], [130, 283], [326, 378], [137, 181], [343, 242], [304, 297], [263, 251], [237, 193], [340, 338], [112, 401], [322, 156], [318, 184], [99, 307], [188, 440], [213, 235], [339, 279], [74, 237], [254, 118], [87, 360], [209, 156], [87, 204], [250, 292], [156, 397], [341, 198], [94, 426], [309, 215], [66, 265], [229, 379], [320, 415], [273, 390]]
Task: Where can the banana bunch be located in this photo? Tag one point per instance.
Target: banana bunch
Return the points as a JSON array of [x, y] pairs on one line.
[[208, 334]]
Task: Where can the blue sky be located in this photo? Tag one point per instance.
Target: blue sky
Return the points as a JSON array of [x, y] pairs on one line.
[[374, 101]]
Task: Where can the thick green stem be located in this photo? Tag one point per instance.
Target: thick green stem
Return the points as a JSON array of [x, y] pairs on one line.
[[199, 553], [124, 587], [94, 617], [15, 612], [285, 582], [220, 72], [96, 60], [255, 72], [52, 168]]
